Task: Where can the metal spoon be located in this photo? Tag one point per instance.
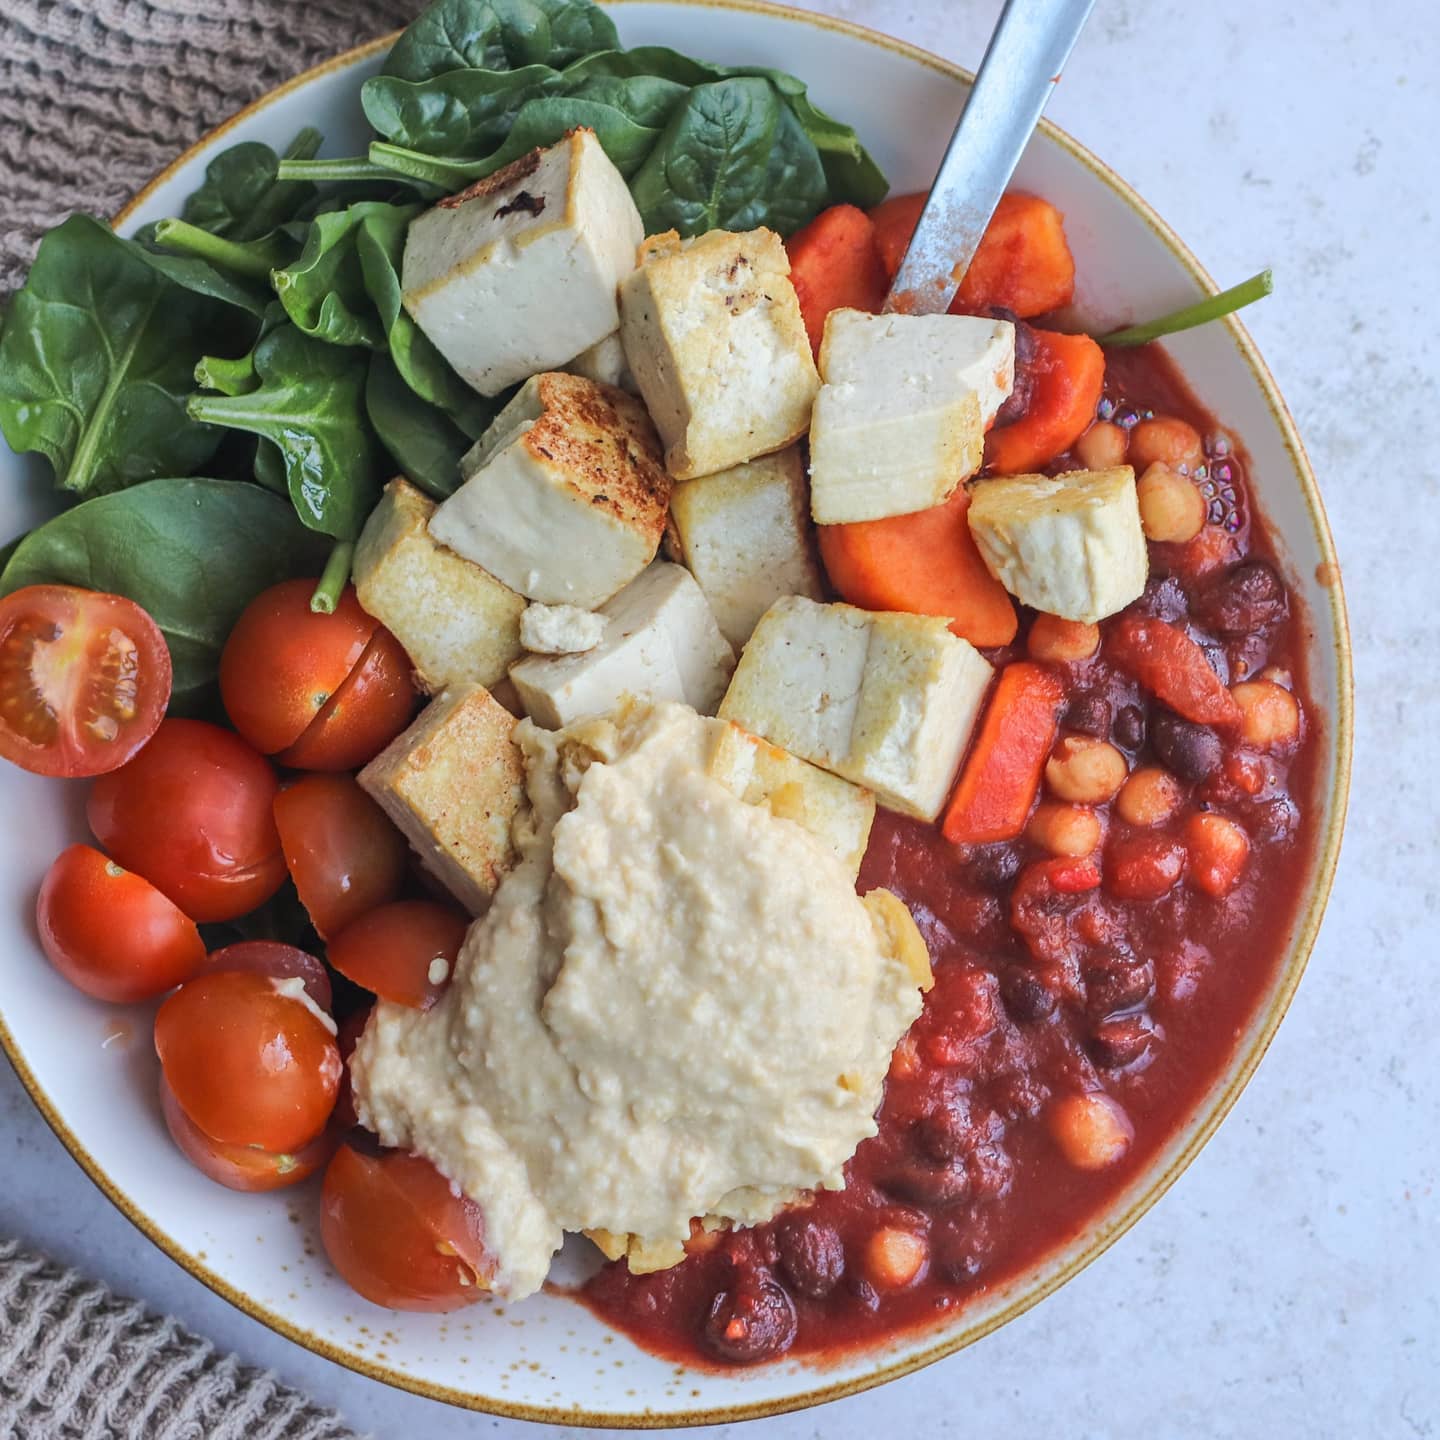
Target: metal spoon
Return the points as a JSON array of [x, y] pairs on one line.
[[1027, 51]]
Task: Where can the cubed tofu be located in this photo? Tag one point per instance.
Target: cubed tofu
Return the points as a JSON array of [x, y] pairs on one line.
[[605, 361], [745, 534], [1071, 545], [661, 643], [565, 495], [713, 335], [560, 629], [518, 273], [885, 700], [900, 419], [456, 621], [452, 784], [835, 812]]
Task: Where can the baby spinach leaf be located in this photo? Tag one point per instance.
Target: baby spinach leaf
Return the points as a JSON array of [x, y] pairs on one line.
[[498, 35], [713, 165], [243, 198], [310, 403], [465, 114], [648, 100], [324, 292], [420, 438], [193, 553], [96, 360]]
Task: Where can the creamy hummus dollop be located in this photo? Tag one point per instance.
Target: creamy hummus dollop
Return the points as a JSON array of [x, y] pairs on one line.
[[677, 1006]]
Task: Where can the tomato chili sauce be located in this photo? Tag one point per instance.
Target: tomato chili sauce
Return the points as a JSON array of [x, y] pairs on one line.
[[1039, 994]]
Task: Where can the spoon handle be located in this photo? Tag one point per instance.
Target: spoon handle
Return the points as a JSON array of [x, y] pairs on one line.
[[1027, 51]]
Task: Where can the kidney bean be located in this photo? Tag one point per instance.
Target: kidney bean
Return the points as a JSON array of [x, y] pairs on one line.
[[1121, 1041], [961, 1248], [812, 1255], [1020, 1097], [1129, 728], [1249, 596], [945, 1132], [1163, 598], [1118, 981], [1018, 401], [993, 867], [753, 1320], [931, 1185], [864, 1292], [1248, 655], [1089, 714], [992, 1171], [1191, 751], [1275, 820]]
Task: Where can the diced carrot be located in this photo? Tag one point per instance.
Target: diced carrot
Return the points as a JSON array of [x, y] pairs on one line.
[[1067, 376], [1023, 262], [1002, 775], [924, 564], [835, 264], [1169, 664]]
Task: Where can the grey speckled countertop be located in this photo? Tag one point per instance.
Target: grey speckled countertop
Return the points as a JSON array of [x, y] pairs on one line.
[[1287, 1285]]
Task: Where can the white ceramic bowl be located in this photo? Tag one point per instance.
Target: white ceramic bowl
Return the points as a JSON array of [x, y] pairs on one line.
[[91, 1068]]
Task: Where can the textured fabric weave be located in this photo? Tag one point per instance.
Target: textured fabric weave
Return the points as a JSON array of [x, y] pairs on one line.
[[78, 1363], [98, 95]]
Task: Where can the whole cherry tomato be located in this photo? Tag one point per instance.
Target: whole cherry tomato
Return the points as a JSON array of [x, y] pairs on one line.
[[344, 854], [192, 813], [112, 934], [250, 1062], [243, 1167], [84, 679], [323, 692], [404, 952], [400, 1235]]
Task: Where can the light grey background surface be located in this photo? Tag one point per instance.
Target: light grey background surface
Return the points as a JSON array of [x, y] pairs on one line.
[[1289, 1285]]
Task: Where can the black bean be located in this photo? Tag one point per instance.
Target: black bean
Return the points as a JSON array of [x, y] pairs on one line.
[[811, 1254], [1120, 1041], [944, 1132], [1193, 752], [1117, 982], [994, 866], [1129, 731], [991, 1170], [1027, 997], [925, 1184], [1164, 598], [1275, 820], [1249, 596], [1089, 714], [960, 1249], [753, 1320]]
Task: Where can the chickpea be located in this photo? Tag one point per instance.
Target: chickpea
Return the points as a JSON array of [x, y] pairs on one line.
[[1270, 715], [1218, 850], [1084, 770], [1168, 441], [1102, 446], [1062, 641], [893, 1257], [1171, 507], [1092, 1130], [1149, 797], [1070, 830]]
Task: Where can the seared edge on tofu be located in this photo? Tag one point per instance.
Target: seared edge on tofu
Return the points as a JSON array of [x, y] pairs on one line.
[[517, 273], [713, 336], [565, 495], [457, 622], [1070, 545], [452, 784]]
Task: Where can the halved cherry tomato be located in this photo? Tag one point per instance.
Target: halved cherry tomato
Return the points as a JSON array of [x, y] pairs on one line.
[[280, 962], [112, 934], [249, 1063], [283, 674], [372, 706], [351, 1028], [400, 1235], [84, 679], [404, 952], [192, 813], [243, 1167], [344, 855]]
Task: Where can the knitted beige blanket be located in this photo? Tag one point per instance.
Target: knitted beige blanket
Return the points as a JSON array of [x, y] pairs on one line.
[[95, 97]]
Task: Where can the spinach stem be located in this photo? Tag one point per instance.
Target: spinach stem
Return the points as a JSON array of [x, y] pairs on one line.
[[334, 579], [304, 145], [327, 171], [1213, 307], [412, 165], [255, 260]]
